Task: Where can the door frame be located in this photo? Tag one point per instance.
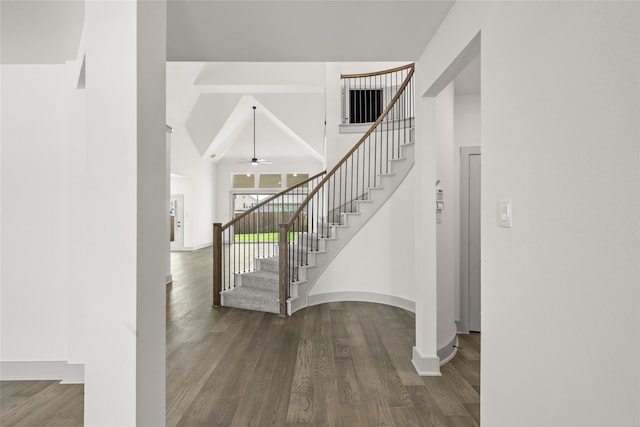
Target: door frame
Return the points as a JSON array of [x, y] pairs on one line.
[[465, 154]]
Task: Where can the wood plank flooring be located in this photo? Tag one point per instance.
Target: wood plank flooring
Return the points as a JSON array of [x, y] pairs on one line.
[[41, 403], [337, 364]]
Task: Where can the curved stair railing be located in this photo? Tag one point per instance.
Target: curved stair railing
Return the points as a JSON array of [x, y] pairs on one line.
[[253, 234], [360, 170]]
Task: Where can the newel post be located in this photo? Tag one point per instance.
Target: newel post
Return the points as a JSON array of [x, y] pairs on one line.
[[217, 263], [283, 257]]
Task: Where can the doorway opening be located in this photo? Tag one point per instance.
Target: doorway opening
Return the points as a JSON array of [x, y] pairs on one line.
[[176, 220]]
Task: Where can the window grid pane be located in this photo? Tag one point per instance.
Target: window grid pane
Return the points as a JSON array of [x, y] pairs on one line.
[[270, 180], [295, 178], [245, 180]]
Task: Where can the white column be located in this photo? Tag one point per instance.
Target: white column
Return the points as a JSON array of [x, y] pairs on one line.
[[153, 220], [445, 230], [425, 358], [76, 183], [125, 308]]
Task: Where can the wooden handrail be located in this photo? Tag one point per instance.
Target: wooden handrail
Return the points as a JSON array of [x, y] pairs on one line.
[[375, 124], [377, 73], [264, 202]]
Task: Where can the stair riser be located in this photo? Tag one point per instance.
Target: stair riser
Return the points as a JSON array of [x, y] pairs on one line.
[[268, 305], [258, 282], [268, 264]]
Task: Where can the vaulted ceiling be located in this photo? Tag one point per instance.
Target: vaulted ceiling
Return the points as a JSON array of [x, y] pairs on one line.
[[214, 101], [226, 56]]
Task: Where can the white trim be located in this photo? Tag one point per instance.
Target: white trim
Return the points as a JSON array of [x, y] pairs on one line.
[[361, 128], [297, 303], [168, 279], [464, 303], [67, 373], [426, 366], [448, 352], [206, 245], [193, 248], [399, 302]]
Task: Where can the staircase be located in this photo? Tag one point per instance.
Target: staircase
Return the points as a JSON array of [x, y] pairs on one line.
[[334, 209], [259, 289]]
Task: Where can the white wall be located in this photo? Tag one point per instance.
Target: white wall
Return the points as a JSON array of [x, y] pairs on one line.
[[379, 259], [467, 130], [196, 183], [34, 213], [560, 302]]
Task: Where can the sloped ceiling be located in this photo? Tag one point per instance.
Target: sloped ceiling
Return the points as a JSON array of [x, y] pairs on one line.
[[40, 32], [215, 100]]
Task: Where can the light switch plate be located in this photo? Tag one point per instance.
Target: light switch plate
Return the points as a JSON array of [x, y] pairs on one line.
[[504, 214]]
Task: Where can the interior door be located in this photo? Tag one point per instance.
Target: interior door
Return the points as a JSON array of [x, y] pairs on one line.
[[470, 263], [176, 235]]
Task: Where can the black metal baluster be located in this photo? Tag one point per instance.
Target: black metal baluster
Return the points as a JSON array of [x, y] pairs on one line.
[[224, 260], [340, 194], [351, 184]]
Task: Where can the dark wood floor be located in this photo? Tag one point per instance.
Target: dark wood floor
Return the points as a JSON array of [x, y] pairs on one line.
[[337, 364]]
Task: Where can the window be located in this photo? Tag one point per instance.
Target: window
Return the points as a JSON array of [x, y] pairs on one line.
[[245, 180], [295, 178], [365, 105], [270, 180]]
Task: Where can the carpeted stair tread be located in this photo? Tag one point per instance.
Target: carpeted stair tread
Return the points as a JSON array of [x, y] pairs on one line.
[[251, 299]]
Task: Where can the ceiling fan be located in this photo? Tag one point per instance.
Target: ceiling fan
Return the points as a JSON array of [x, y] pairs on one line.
[[254, 160]]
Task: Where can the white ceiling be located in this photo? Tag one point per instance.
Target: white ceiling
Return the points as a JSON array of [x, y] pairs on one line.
[[301, 30], [48, 31], [40, 32]]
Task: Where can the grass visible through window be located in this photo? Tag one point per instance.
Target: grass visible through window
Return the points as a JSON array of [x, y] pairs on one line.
[[262, 237]]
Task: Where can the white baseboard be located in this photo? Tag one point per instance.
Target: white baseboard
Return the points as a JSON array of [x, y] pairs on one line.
[[62, 371], [426, 366], [192, 248], [447, 352], [399, 302], [206, 245]]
